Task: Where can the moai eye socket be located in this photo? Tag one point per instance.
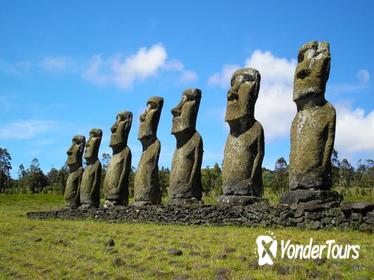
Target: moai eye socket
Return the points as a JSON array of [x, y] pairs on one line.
[[247, 79], [152, 105], [190, 97], [300, 56], [303, 73]]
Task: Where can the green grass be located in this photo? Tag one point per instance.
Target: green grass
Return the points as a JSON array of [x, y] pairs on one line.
[[57, 249]]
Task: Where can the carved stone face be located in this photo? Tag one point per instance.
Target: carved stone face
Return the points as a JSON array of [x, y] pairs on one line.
[[149, 119], [93, 144], [120, 130], [185, 114], [75, 151], [242, 96], [312, 71]]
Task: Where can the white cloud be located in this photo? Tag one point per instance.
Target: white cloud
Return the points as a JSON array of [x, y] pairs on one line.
[[124, 71], [363, 76], [25, 129], [188, 76], [16, 67], [55, 63], [174, 65], [354, 130], [274, 108], [223, 78]]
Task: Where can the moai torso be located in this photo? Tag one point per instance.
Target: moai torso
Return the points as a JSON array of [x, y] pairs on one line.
[[313, 128], [185, 175], [146, 183], [311, 143], [90, 187], [244, 150], [241, 156], [116, 179], [91, 178], [74, 162], [72, 189]]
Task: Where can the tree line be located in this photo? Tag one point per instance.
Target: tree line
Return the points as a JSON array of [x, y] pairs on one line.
[[33, 179]]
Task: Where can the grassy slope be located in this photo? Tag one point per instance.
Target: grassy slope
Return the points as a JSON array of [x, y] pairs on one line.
[[58, 249]]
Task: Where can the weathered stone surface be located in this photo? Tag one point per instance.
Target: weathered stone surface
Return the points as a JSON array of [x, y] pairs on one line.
[[74, 162], [117, 175], [311, 199], [254, 215], [313, 128], [360, 207], [239, 199], [90, 186], [185, 175], [146, 183], [244, 150]]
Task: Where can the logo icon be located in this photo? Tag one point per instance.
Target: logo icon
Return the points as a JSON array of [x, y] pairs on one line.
[[266, 249]]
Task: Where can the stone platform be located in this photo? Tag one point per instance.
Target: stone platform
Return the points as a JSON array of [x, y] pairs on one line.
[[354, 216]]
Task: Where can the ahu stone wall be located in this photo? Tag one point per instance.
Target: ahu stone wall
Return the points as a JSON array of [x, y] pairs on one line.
[[354, 216]]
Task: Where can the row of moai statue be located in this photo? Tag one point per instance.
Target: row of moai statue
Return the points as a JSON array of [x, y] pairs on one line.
[[312, 140]]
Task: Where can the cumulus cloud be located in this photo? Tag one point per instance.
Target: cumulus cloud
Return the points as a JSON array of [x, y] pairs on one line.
[[354, 130], [55, 63], [124, 71], [222, 79], [274, 108], [25, 129], [188, 76]]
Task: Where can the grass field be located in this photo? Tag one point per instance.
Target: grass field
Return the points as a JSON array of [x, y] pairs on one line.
[[56, 249]]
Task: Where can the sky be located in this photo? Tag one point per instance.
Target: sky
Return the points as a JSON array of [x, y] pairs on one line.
[[69, 66]]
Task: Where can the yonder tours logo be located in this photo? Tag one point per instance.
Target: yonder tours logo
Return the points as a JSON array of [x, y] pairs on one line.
[[267, 248]]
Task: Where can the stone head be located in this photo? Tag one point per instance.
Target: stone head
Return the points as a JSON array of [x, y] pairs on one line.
[[312, 71], [120, 130], [242, 96], [93, 144], [76, 150], [150, 118], [185, 113]]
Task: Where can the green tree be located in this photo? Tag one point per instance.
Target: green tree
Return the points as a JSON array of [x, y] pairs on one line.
[[63, 175], [346, 173], [335, 168], [105, 160], [36, 180], [57, 178], [131, 181], [211, 180], [164, 175], [280, 183], [5, 168]]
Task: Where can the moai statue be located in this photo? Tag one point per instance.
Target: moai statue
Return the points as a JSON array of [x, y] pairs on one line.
[[74, 163], [313, 129], [185, 175], [244, 150], [146, 183], [116, 181], [90, 186]]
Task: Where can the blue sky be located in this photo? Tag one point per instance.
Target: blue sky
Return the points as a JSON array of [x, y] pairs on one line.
[[68, 66]]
